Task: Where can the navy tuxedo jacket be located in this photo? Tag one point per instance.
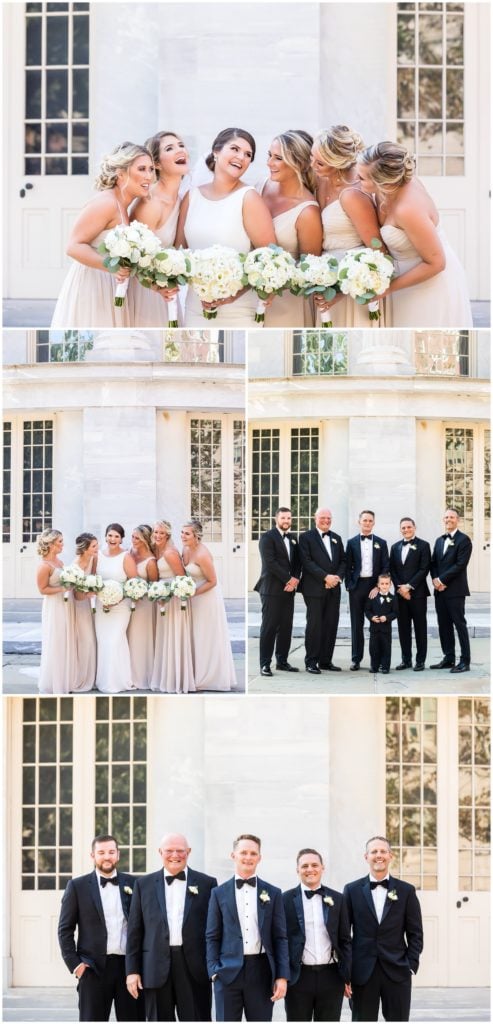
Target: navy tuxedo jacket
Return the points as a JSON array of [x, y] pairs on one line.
[[148, 952], [353, 561], [277, 568], [316, 563], [224, 938], [374, 606], [336, 922], [82, 909], [451, 567], [414, 570], [396, 942]]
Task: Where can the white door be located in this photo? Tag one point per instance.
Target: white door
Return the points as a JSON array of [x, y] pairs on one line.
[[46, 181], [468, 488], [28, 499]]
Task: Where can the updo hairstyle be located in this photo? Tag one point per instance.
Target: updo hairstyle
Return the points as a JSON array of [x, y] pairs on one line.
[[339, 146], [196, 527], [119, 160], [83, 541], [223, 138], [390, 164], [45, 540]]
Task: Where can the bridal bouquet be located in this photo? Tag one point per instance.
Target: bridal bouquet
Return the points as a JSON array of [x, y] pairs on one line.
[[364, 274], [168, 269], [183, 588], [128, 245], [91, 584], [317, 275], [112, 593], [71, 578], [269, 271], [162, 591], [217, 274], [135, 589]]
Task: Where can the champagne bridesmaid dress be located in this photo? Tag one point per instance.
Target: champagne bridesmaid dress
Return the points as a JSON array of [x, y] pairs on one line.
[[57, 673], [340, 235], [288, 310], [441, 301], [140, 634], [211, 647], [146, 307], [173, 667]]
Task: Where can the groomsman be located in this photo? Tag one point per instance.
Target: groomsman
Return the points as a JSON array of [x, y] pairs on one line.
[[366, 557], [324, 566], [279, 578], [409, 566], [247, 946], [319, 939], [385, 917], [449, 562], [166, 937], [97, 906]]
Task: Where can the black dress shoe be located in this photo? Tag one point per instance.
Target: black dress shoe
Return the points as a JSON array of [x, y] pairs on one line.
[[373, 670], [328, 666], [444, 663], [284, 666], [314, 670], [462, 666], [384, 671], [419, 666], [354, 667], [402, 666], [265, 670]]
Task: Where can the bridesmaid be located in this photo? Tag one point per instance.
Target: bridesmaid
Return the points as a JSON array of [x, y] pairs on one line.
[[159, 210], [225, 211], [113, 655], [430, 289], [289, 196], [173, 668], [141, 628], [349, 216], [87, 295], [57, 670], [211, 647], [86, 557]]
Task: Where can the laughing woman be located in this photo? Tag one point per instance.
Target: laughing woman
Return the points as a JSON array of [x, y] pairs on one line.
[[225, 212], [57, 670], [87, 295]]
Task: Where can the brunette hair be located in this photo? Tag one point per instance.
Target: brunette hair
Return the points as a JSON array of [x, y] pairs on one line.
[[153, 146], [83, 541], [117, 527], [223, 138]]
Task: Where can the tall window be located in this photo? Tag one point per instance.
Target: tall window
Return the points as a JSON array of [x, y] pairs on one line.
[[37, 478], [239, 480], [265, 478], [304, 475], [474, 793], [487, 487], [63, 346], [56, 125], [7, 481], [443, 352], [121, 776], [205, 475], [193, 346], [459, 474], [319, 352], [430, 85]]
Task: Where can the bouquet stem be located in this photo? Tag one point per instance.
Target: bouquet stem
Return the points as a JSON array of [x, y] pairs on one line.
[[210, 314], [325, 318], [121, 291], [374, 311], [172, 313], [260, 312]]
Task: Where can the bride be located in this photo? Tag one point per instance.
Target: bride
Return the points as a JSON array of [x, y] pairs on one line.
[[211, 647], [113, 668]]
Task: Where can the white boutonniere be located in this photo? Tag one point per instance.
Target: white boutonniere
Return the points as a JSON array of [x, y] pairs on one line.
[[128, 890], [451, 543], [329, 901], [292, 540], [377, 546], [413, 547], [194, 889], [392, 895], [264, 896], [389, 599], [334, 540]]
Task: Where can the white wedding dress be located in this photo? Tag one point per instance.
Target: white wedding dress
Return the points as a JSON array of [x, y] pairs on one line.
[[114, 672]]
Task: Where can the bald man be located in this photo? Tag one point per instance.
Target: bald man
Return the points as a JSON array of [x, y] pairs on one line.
[[324, 567], [166, 937]]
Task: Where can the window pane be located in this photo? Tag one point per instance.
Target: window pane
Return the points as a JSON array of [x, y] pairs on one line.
[[56, 40]]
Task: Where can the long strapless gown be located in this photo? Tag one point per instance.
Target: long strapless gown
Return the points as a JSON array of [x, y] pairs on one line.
[[340, 235], [441, 301], [147, 308], [140, 634], [219, 222], [87, 297], [173, 666], [211, 647], [57, 672], [288, 310], [113, 654], [85, 643]]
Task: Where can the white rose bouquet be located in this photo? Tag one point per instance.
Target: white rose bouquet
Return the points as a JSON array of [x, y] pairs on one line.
[[217, 274], [112, 593], [168, 269], [161, 591], [71, 578], [269, 271], [135, 589], [183, 588], [92, 584], [317, 275], [364, 274], [128, 245]]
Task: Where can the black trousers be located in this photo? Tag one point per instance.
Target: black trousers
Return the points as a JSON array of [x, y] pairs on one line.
[[250, 992], [357, 601], [322, 620], [395, 997], [450, 613], [380, 647], [181, 993], [276, 627], [317, 995], [97, 993], [412, 613]]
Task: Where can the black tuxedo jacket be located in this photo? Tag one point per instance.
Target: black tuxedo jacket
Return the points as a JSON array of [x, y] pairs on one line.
[[276, 568], [148, 952], [353, 561], [224, 938], [451, 567], [336, 922], [396, 942], [82, 909], [316, 563], [414, 570], [374, 606]]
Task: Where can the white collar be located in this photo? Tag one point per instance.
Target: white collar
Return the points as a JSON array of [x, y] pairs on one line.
[[373, 879]]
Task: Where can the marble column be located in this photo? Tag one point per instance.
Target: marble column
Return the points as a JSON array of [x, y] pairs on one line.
[[383, 353], [125, 346], [382, 470]]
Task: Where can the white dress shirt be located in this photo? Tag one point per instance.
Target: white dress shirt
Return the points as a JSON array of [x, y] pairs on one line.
[[447, 541], [379, 895], [114, 918], [286, 543], [246, 905], [366, 557], [318, 947], [174, 897], [326, 543]]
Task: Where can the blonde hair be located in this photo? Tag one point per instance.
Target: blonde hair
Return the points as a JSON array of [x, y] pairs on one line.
[[45, 540], [166, 526], [296, 147], [145, 533], [339, 146], [119, 159], [196, 528], [391, 165]]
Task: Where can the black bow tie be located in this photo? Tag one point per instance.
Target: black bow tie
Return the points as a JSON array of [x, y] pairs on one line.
[[370, 537], [112, 881], [171, 878], [404, 542], [240, 882], [447, 536], [326, 534], [384, 882], [313, 892]]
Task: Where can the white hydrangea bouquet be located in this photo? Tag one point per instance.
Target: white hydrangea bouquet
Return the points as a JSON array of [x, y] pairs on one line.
[[317, 275], [92, 584], [71, 578], [169, 269], [269, 271], [217, 274], [135, 589], [128, 245], [184, 587], [111, 594], [364, 274], [161, 591]]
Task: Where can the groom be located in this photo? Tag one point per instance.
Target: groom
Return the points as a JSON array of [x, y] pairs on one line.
[[279, 578], [324, 567]]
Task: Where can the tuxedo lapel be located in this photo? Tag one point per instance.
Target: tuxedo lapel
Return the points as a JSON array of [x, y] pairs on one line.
[[125, 898], [231, 900], [260, 906], [388, 903], [160, 883], [326, 908], [368, 897], [281, 547], [189, 896], [95, 891], [298, 906]]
